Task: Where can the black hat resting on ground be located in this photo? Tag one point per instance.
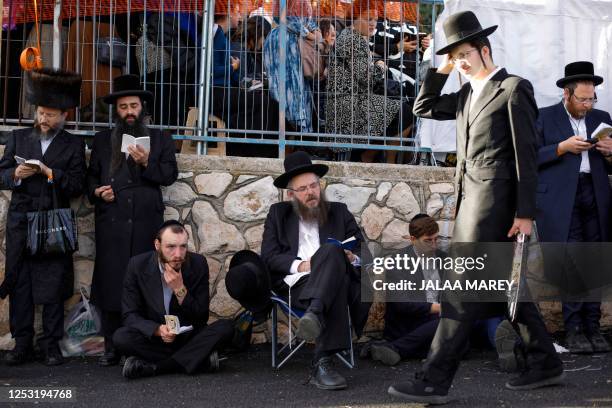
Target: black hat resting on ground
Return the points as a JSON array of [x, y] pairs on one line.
[[298, 163], [53, 88], [462, 27], [579, 71], [127, 85], [248, 282]]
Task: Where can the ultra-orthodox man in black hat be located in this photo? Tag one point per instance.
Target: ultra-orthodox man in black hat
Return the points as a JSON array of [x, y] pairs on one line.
[[42, 279], [313, 275], [124, 185], [496, 197], [575, 205]]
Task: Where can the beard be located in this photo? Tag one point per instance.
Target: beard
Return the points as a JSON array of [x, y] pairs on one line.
[[163, 260], [137, 129], [49, 134], [316, 214], [577, 113]]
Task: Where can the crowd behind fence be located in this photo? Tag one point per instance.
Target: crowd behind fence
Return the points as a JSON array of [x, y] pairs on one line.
[[271, 75]]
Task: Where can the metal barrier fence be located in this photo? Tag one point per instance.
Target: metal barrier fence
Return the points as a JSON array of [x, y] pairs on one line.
[[263, 76]]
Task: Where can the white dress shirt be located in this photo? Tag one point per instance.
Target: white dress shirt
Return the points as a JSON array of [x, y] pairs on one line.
[[579, 128], [478, 85]]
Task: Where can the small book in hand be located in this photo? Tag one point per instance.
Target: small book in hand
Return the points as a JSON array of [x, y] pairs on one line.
[[30, 163], [603, 131], [128, 140], [348, 244]]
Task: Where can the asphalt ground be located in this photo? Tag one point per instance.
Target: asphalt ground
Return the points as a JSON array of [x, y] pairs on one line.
[[247, 380]]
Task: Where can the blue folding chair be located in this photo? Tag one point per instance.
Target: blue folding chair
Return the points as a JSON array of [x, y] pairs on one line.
[[280, 357]]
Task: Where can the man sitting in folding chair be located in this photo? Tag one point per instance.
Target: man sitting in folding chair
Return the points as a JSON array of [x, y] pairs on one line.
[[319, 277]]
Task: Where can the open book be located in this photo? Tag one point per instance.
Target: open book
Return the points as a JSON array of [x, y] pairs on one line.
[[30, 163], [173, 324], [128, 140], [349, 243], [603, 130]]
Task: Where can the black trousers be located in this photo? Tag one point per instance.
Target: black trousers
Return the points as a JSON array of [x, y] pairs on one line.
[[333, 284], [21, 316], [111, 322], [584, 227], [452, 338], [417, 342], [189, 350]]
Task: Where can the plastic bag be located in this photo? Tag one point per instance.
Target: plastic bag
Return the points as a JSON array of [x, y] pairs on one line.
[[82, 320]]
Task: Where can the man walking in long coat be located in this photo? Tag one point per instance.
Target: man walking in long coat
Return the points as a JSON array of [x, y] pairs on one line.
[[496, 186], [125, 188]]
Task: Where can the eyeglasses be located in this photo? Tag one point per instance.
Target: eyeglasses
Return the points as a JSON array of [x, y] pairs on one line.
[[303, 189], [462, 56], [590, 101], [48, 115]]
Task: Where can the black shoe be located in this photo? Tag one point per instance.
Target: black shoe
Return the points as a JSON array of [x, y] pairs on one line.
[[309, 327], [53, 356], [386, 354], [325, 377], [109, 358], [420, 390], [17, 356], [599, 343], [577, 343], [536, 378], [137, 368], [507, 344]]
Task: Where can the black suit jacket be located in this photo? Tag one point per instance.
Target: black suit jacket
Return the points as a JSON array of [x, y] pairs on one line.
[[52, 277], [281, 236], [497, 171], [143, 299]]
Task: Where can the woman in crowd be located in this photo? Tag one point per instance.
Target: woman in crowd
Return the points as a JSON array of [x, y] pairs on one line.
[[352, 106], [297, 93]]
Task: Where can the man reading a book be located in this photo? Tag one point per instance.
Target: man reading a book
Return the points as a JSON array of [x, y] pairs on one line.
[[124, 185], [39, 163], [165, 304], [315, 275], [573, 188]]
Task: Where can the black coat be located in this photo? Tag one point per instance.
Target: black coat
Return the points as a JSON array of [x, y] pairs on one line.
[[143, 301], [280, 242], [126, 226], [52, 277], [496, 176], [558, 177]]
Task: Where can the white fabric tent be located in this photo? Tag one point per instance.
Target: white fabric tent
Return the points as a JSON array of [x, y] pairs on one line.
[[535, 39]]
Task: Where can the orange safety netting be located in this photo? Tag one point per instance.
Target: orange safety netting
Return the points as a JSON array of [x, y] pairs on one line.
[[22, 11]]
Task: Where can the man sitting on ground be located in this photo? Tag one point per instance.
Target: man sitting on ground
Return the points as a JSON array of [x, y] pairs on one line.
[[169, 282]]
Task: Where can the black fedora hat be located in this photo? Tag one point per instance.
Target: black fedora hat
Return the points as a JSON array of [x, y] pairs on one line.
[[299, 163], [462, 27], [247, 280], [127, 85], [579, 71]]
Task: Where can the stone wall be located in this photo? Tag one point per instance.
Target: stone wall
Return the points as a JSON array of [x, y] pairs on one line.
[[224, 202]]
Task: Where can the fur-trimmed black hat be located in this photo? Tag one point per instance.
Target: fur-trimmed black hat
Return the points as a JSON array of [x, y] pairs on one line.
[[54, 88]]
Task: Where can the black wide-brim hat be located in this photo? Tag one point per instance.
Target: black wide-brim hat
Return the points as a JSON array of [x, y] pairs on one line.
[[579, 71], [54, 88], [127, 85], [462, 27], [298, 163], [247, 280]]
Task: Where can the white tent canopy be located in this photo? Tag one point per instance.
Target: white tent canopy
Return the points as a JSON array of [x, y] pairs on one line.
[[535, 39]]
